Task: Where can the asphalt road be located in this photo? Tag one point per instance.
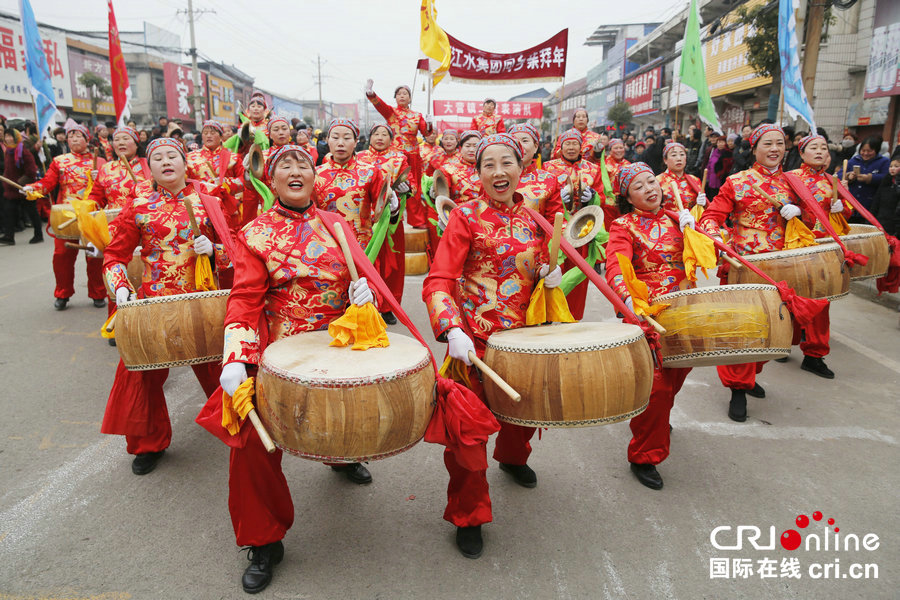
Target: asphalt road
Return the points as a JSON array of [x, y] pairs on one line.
[[76, 524]]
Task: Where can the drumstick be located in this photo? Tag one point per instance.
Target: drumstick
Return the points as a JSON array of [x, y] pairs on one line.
[[557, 236], [834, 189], [67, 223], [345, 248], [77, 246], [678, 203], [654, 324], [261, 431], [190, 211], [844, 172], [703, 183], [127, 166], [112, 323], [774, 201], [731, 261], [493, 376], [94, 166], [11, 182]]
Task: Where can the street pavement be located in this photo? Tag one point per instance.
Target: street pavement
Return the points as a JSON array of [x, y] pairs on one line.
[[76, 524]]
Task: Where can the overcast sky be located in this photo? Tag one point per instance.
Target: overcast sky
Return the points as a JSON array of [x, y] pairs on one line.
[[358, 39]]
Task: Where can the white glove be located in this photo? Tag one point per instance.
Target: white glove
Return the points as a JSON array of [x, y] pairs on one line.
[[94, 173], [565, 194], [360, 293], [395, 202], [123, 295], [837, 206], [402, 188], [432, 192], [429, 120], [629, 303], [368, 89], [586, 195], [94, 251], [701, 199], [246, 164], [233, 375], [202, 245], [27, 189], [460, 344], [552, 278], [790, 211], [686, 219]]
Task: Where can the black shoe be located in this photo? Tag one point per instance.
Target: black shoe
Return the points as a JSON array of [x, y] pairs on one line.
[[757, 392], [36, 239], [389, 318], [647, 475], [355, 472], [782, 360], [737, 408], [7, 241], [112, 342], [144, 463], [817, 366], [469, 542], [61, 303], [99, 302], [262, 562], [521, 474]]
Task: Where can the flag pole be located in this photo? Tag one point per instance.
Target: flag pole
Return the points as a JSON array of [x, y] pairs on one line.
[[430, 85], [677, 104], [562, 88]]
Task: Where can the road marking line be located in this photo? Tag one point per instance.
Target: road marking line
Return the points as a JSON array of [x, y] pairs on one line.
[[869, 353]]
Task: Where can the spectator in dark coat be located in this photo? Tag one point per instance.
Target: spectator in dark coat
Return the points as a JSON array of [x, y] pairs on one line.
[[18, 166], [653, 154], [872, 169], [886, 204]]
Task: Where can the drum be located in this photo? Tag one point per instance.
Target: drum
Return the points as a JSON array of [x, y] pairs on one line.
[[415, 239], [333, 404], [869, 241], [814, 272], [570, 374], [171, 331], [724, 325], [60, 214], [416, 263]]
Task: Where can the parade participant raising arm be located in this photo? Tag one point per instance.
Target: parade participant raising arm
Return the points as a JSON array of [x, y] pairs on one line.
[[290, 277], [652, 241], [484, 272]]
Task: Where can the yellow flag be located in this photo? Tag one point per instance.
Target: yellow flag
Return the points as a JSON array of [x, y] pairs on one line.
[[433, 41], [361, 325]]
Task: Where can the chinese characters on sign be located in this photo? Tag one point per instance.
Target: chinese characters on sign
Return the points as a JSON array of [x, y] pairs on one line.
[[471, 108], [221, 100], [81, 96], [180, 92], [14, 85], [639, 91], [546, 61]]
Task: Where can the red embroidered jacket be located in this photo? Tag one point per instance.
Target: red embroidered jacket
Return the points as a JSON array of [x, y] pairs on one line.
[[463, 180], [405, 123], [612, 167], [392, 162], [654, 245], [588, 139], [586, 171], [819, 183], [114, 187], [488, 124], [540, 190], [159, 224], [206, 165], [351, 191], [289, 269], [428, 151], [485, 269], [688, 191], [440, 159], [69, 172], [757, 224]]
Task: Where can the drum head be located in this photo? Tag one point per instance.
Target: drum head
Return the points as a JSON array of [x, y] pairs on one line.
[[308, 359], [565, 337]]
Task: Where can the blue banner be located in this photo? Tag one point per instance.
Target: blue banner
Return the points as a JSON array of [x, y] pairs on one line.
[[38, 71], [287, 109], [795, 100]]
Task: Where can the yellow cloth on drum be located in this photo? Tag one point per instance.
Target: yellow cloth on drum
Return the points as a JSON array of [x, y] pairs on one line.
[[699, 251], [640, 293], [697, 212], [548, 305], [94, 228], [797, 235], [740, 321], [203, 275], [109, 335], [32, 196], [361, 325], [456, 370], [839, 223], [235, 408]]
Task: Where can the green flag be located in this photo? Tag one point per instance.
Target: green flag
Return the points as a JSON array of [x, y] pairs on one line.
[[692, 72]]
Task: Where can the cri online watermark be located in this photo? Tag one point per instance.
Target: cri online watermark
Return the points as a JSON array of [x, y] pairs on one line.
[[828, 538]]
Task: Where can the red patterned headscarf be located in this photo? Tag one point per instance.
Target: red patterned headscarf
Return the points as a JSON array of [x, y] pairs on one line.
[[274, 120], [672, 146], [494, 139], [214, 124], [806, 141], [762, 130], [525, 128], [570, 134], [79, 128], [344, 122], [377, 125], [129, 130], [467, 134], [164, 143], [627, 174], [280, 151]]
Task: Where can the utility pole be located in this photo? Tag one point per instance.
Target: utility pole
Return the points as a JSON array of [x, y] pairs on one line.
[[815, 19], [195, 72], [321, 109]]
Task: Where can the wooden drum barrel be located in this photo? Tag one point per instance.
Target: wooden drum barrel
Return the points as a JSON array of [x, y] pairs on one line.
[[869, 241], [570, 374], [59, 215], [724, 325], [814, 272], [171, 331], [335, 404]]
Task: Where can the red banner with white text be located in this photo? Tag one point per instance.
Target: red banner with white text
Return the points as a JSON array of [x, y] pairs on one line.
[[471, 108], [544, 62]]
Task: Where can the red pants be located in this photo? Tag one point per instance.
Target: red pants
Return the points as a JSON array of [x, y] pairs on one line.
[[391, 263], [577, 298], [814, 336], [740, 377], [64, 270], [137, 406], [468, 501], [249, 204], [259, 499], [415, 207], [650, 430]]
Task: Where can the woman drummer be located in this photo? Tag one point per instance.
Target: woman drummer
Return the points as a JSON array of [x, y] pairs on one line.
[[158, 222], [407, 125], [652, 241], [675, 158], [757, 227], [589, 138], [461, 175], [481, 280], [290, 277]]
